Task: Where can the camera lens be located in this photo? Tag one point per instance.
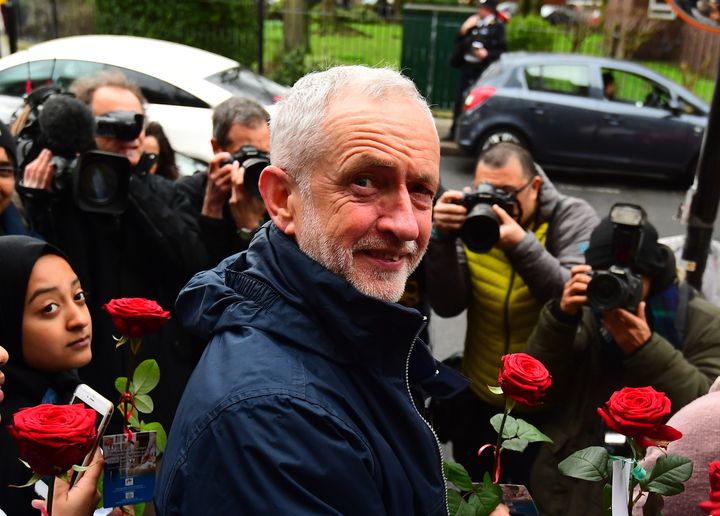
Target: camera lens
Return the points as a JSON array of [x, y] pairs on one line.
[[253, 168], [481, 229], [606, 291], [99, 183]]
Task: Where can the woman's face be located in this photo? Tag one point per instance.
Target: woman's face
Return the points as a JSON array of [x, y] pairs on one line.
[[151, 146], [56, 326]]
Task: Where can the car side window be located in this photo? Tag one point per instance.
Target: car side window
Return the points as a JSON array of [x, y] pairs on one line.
[[632, 88], [160, 92], [14, 80], [565, 79], [67, 70]]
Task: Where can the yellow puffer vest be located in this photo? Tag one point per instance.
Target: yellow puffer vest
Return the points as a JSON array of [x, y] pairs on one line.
[[501, 315]]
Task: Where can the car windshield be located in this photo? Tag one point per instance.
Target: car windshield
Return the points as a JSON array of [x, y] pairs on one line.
[[241, 81]]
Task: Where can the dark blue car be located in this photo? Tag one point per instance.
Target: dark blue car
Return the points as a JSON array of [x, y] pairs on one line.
[[583, 112]]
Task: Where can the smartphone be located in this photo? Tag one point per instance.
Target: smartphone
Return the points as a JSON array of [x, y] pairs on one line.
[[103, 410]]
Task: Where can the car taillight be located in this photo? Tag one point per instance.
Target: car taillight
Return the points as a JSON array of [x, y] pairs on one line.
[[276, 99], [477, 96]]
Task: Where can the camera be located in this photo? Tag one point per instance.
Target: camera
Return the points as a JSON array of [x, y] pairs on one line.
[[617, 287], [98, 181], [254, 162], [481, 229]]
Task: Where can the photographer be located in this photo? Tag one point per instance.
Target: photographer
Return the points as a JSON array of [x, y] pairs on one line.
[[228, 210], [521, 260], [11, 222], [136, 243], [628, 323]]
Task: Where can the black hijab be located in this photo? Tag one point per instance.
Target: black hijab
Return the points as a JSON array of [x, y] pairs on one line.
[[24, 386]]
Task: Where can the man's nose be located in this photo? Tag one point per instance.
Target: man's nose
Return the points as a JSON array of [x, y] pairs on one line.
[[399, 217]]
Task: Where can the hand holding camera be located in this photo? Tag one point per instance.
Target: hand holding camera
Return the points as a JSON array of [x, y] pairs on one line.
[[217, 190], [247, 210], [39, 173]]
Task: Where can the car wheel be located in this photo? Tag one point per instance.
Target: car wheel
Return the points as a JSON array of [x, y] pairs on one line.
[[496, 136]]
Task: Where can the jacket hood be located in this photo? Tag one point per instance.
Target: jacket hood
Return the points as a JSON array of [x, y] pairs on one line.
[[548, 196]]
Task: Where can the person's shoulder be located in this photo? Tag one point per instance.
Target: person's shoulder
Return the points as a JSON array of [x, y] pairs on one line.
[[701, 308]]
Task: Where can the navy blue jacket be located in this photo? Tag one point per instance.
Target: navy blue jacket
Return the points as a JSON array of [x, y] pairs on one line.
[[301, 403]]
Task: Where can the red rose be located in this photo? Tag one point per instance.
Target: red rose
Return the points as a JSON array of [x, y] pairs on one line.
[[136, 317], [51, 438], [524, 378], [714, 474], [640, 412]]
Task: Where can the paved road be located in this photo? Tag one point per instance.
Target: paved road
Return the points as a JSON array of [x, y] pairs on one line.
[[661, 201]]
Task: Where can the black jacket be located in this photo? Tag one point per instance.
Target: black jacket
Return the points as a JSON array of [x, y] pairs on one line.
[[149, 251], [492, 38]]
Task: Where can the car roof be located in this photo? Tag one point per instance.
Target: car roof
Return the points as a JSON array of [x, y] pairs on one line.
[[541, 58], [163, 59]]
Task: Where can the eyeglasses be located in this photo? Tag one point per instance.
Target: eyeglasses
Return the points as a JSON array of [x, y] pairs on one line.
[[7, 170], [516, 191]]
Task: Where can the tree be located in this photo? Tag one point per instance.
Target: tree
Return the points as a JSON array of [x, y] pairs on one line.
[[296, 26]]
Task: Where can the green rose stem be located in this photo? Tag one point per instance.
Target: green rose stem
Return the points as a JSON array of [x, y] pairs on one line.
[[135, 344], [638, 453], [509, 404], [49, 501]]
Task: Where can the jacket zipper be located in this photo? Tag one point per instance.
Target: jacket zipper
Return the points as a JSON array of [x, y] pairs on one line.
[[506, 312], [412, 402]]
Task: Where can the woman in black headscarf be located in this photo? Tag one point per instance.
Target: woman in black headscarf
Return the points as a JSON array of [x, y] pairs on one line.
[[45, 326]]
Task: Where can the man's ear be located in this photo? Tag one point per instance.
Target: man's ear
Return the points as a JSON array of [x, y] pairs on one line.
[[215, 146], [280, 194]]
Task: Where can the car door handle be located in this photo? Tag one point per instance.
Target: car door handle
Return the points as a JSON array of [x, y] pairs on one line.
[[539, 109], [611, 119]]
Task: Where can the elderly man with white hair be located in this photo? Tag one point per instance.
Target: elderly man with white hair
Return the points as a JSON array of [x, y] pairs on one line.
[[308, 398]]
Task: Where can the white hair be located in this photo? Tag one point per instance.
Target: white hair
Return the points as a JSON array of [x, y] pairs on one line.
[[297, 129]]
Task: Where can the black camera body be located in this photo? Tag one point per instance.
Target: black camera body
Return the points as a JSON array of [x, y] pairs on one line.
[[97, 181], [254, 162], [617, 287], [481, 229]]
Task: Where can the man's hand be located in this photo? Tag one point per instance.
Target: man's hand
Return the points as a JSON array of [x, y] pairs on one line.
[[630, 331], [574, 294], [511, 233], [39, 172], [217, 191], [247, 210], [449, 217], [469, 24]]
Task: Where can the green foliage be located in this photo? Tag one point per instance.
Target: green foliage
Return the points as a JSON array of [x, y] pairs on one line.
[[291, 68], [467, 498], [668, 475], [532, 34], [146, 377], [592, 463], [517, 433], [227, 28], [160, 434]]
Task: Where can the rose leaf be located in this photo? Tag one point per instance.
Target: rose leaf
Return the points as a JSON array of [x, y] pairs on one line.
[[146, 377], [30, 482], [515, 444], [456, 474], [455, 501], [668, 475], [160, 435], [495, 389], [120, 382], [144, 403], [530, 433], [592, 463], [511, 426], [487, 497]]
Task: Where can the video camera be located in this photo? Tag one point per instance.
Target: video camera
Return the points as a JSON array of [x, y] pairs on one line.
[[619, 286], [99, 181], [481, 229], [254, 162]]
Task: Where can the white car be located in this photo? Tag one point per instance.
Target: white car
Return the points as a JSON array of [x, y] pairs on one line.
[[181, 84]]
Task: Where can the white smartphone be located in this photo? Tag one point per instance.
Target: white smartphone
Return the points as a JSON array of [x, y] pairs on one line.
[[103, 410]]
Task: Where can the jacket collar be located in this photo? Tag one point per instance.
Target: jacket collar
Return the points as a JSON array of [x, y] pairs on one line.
[[305, 303]]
